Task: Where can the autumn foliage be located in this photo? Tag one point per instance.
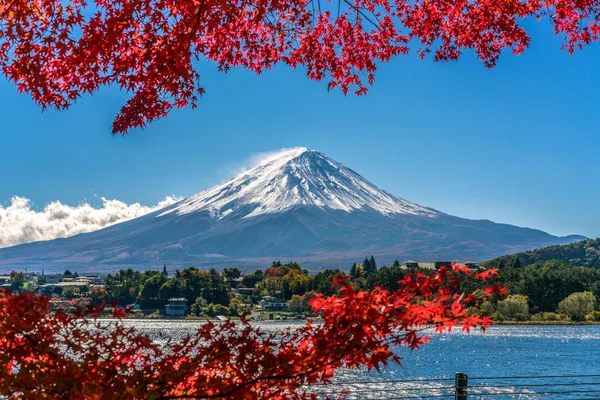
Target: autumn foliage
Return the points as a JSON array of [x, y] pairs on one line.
[[57, 50], [45, 355]]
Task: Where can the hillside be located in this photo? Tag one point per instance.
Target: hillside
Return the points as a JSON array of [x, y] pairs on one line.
[[585, 253]]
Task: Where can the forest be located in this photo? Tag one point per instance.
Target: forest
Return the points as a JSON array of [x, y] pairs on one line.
[[535, 290], [585, 253]]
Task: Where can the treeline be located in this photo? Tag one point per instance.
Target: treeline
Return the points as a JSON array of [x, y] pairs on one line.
[[207, 290], [153, 289], [536, 291], [585, 253]]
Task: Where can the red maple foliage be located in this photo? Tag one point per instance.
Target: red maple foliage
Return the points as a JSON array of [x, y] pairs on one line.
[[57, 50], [46, 355]]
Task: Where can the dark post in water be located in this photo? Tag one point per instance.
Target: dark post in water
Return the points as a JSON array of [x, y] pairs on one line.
[[461, 382]]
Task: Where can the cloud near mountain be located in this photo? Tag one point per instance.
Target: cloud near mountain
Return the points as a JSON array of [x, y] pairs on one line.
[[297, 205], [21, 223]]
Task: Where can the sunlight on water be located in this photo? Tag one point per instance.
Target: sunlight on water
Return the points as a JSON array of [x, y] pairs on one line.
[[503, 351]]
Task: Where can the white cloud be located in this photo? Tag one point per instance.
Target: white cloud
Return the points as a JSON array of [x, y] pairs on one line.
[[20, 223], [255, 160]]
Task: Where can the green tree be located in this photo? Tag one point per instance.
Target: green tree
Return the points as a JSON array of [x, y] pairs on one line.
[[30, 286], [149, 293], [373, 264], [517, 263], [231, 274], [217, 309], [124, 286], [296, 304], [296, 282], [370, 266], [578, 305], [250, 280], [300, 303], [216, 290], [17, 279], [210, 310], [514, 308], [198, 306], [386, 277], [357, 271], [236, 306], [323, 281], [173, 287], [546, 284], [71, 292], [367, 266]]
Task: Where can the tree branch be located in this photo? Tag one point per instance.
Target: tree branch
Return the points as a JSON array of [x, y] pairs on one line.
[[361, 13]]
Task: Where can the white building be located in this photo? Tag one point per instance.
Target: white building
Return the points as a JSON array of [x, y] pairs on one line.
[[270, 303]]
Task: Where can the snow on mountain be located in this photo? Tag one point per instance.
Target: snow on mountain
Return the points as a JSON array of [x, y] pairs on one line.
[[296, 177], [298, 205]]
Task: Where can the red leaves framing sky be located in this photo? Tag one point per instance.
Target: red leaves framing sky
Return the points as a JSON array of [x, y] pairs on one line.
[[57, 50]]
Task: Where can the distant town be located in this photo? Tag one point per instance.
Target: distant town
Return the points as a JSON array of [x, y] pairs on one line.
[[281, 291]]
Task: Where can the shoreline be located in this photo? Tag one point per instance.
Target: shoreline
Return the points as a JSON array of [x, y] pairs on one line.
[[544, 323], [502, 323]]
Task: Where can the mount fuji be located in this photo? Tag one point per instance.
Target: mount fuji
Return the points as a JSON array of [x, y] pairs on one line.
[[297, 205]]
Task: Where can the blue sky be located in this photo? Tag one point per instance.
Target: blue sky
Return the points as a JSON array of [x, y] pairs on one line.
[[516, 144]]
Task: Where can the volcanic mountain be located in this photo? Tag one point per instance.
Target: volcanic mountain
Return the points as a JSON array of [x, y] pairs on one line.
[[298, 205]]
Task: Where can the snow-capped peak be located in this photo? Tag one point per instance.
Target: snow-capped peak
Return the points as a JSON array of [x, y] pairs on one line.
[[296, 177]]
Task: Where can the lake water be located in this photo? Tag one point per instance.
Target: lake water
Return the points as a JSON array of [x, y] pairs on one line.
[[503, 351]]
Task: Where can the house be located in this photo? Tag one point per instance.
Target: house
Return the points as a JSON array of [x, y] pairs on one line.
[[244, 291], [410, 264], [426, 265], [270, 303], [177, 307], [91, 279], [472, 265], [439, 264], [53, 278]]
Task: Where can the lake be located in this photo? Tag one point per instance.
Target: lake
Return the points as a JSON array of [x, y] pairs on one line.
[[503, 351]]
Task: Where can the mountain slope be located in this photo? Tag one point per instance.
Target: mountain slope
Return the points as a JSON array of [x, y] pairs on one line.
[[585, 253], [298, 204], [292, 178]]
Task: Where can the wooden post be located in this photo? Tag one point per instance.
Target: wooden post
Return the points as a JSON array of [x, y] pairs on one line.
[[461, 382]]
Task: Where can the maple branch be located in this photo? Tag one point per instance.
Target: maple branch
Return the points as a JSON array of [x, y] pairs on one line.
[[47, 350], [198, 17], [359, 11]]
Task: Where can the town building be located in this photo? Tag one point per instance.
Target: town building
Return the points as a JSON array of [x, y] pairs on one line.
[[52, 278], [270, 303], [439, 264], [176, 307], [410, 264], [5, 281], [91, 279], [244, 291], [472, 265]]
